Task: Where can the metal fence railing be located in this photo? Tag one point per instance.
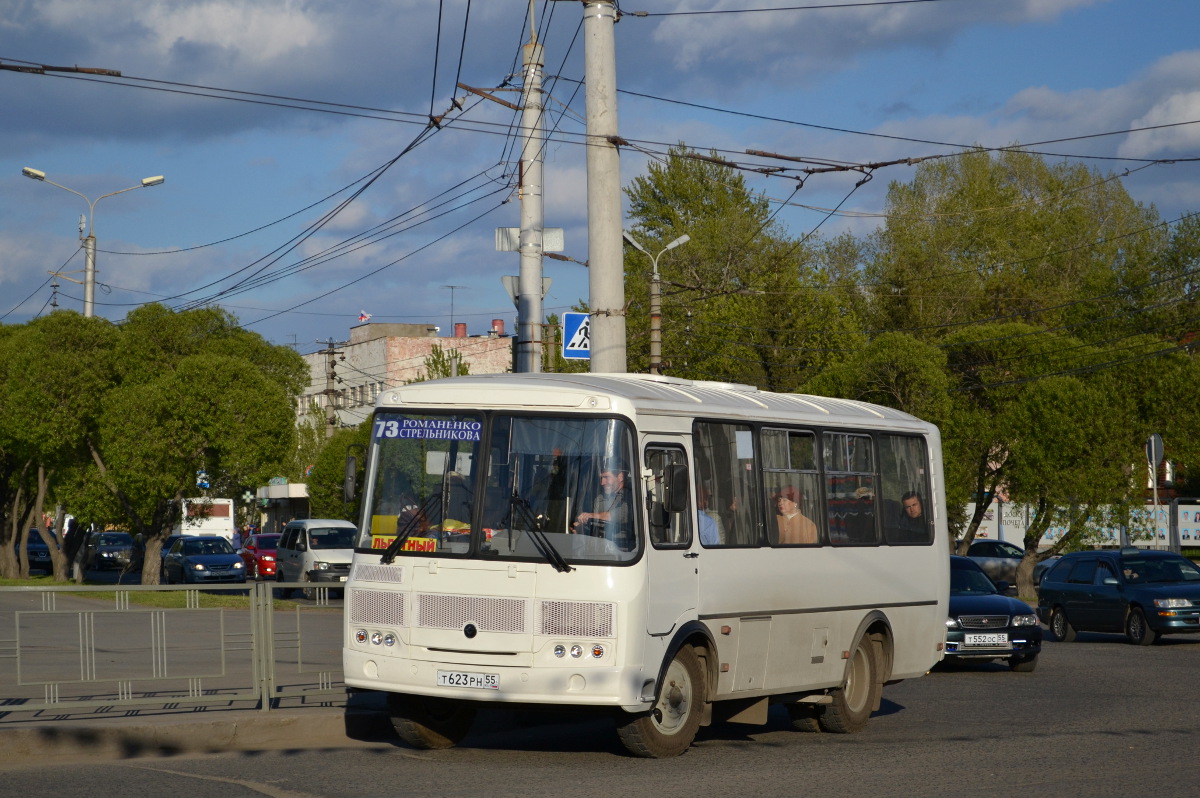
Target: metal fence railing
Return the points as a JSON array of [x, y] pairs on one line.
[[67, 649]]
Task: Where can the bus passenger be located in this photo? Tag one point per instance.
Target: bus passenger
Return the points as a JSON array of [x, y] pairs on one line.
[[912, 526], [711, 531], [794, 527]]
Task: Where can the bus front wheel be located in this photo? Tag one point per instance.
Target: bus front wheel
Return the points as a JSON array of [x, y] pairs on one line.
[[670, 727], [430, 722], [854, 701]]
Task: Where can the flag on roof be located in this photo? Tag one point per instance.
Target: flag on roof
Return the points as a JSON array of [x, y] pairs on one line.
[[363, 315]]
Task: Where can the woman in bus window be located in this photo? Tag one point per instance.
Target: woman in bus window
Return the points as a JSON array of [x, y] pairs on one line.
[[793, 526]]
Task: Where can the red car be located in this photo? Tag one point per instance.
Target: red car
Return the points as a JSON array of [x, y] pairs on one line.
[[258, 552]]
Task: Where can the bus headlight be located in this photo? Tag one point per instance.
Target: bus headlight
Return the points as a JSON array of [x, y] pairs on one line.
[[560, 651]]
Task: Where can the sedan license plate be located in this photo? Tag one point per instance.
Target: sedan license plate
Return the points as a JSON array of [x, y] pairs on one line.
[[993, 640], [482, 681]]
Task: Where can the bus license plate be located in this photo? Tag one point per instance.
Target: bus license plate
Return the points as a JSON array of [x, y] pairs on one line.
[[481, 681], [994, 640]]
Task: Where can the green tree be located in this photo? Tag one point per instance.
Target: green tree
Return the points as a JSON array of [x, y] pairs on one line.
[[442, 363], [325, 494], [1011, 235], [740, 302], [52, 373], [115, 422]]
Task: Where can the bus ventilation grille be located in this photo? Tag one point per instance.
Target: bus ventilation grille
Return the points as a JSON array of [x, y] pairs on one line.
[[577, 618], [378, 573], [439, 611], [377, 607]]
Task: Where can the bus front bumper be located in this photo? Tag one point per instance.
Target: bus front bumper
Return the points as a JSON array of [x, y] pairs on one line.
[[569, 685]]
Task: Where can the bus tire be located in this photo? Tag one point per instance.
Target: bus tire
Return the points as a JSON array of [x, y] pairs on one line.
[[669, 728], [803, 717], [854, 701], [424, 722]]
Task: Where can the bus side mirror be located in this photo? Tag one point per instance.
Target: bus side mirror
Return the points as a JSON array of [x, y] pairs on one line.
[[350, 480], [676, 478]]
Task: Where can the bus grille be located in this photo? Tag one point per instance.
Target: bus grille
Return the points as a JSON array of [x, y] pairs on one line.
[[577, 618], [438, 611], [379, 573], [379, 607]]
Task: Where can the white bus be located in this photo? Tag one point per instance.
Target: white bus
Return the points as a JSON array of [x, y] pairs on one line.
[[204, 516], [672, 552]]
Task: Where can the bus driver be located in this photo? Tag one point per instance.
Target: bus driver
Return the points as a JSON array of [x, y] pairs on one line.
[[611, 506]]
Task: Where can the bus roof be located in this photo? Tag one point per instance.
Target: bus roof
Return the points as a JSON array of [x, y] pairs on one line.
[[641, 394]]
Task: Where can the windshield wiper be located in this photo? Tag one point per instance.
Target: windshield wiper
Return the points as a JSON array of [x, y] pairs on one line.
[[534, 525]]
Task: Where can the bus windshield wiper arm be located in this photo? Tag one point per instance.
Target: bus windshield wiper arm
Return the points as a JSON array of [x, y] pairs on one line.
[[402, 535], [540, 541]]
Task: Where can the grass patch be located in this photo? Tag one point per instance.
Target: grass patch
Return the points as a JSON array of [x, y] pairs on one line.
[[175, 598]]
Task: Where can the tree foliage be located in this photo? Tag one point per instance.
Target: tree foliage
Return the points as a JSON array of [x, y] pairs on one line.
[[119, 420], [1030, 307], [741, 302]]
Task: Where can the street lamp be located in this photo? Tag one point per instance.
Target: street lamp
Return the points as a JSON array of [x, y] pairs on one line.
[[89, 243], [655, 298]]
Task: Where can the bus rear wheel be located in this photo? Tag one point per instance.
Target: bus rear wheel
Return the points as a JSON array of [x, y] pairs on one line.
[[854, 701], [670, 727], [424, 722]]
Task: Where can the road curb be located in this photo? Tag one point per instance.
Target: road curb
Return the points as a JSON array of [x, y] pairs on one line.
[[193, 733]]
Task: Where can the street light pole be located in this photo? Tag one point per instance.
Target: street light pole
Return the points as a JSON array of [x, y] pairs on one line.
[[89, 243], [656, 298]]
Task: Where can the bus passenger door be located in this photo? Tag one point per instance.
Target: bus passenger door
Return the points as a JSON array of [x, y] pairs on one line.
[[671, 580]]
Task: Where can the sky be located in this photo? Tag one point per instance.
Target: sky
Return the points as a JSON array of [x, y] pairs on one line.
[[295, 199]]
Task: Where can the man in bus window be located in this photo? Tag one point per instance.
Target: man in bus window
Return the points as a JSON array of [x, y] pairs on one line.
[[611, 507], [794, 527], [912, 517]]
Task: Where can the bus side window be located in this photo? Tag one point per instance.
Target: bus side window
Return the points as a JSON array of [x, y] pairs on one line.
[[905, 489], [849, 488], [669, 527], [727, 481]]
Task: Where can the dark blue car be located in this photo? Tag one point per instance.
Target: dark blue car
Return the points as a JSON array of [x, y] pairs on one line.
[[1144, 594], [195, 559], [984, 624]]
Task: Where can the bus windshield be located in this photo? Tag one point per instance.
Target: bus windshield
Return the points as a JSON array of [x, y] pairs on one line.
[[543, 481]]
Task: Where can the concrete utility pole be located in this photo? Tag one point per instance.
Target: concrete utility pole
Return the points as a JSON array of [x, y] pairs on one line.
[[606, 277], [331, 393], [529, 296]]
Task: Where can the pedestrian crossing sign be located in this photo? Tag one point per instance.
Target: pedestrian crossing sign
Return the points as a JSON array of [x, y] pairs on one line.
[[577, 336]]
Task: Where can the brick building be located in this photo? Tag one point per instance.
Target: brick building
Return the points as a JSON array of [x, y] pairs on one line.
[[347, 377]]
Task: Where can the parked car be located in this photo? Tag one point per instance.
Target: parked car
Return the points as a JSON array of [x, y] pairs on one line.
[[111, 550], [985, 624], [38, 552], [317, 550], [999, 559], [258, 552], [195, 559], [1143, 593]]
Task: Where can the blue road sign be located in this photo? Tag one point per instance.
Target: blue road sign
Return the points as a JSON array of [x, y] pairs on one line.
[[577, 336]]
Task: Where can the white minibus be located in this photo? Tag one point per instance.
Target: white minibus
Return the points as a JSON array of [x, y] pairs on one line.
[[667, 551]]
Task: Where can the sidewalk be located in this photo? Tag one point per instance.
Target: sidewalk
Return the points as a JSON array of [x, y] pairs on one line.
[[359, 720]]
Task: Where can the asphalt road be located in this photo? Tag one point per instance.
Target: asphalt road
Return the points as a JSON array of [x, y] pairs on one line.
[[1098, 718]]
